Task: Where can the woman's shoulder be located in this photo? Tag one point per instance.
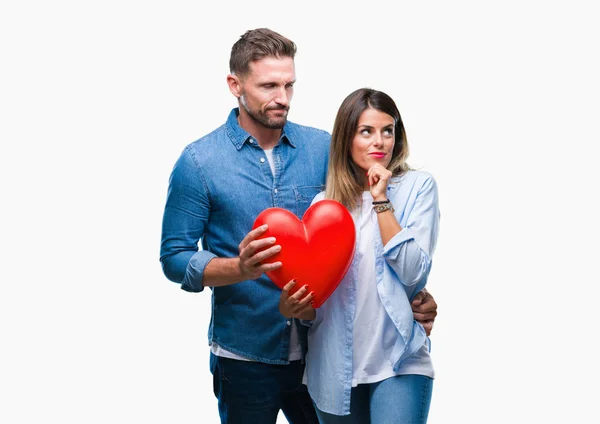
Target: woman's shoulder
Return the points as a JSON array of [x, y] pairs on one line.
[[412, 184], [413, 178]]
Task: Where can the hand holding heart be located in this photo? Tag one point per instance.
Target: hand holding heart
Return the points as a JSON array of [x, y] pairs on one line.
[[316, 251], [253, 250], [298, 305]]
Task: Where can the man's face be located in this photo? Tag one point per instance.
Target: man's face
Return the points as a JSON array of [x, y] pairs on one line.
[[267, 90]]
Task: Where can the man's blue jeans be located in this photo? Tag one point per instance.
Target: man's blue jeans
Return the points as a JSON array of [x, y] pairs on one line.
[[253, 392], [401, 399]]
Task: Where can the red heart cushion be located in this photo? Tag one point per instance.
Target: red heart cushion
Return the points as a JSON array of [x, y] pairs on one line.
[[316, 250]]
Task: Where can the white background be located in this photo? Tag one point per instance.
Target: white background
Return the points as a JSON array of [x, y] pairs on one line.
[[97, 99]]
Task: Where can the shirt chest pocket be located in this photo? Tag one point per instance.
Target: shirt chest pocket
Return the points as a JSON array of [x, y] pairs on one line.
[[304, 196]]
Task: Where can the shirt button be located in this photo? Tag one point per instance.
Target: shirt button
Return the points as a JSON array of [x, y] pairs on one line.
[[289, 323], [251, 141], [262, 160], [275, 191]]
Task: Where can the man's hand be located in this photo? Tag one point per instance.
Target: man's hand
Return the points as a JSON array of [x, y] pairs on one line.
[[296, 305], [424, 310], [252, 253]]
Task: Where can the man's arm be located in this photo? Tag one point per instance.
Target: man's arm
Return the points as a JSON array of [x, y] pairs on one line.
[[186, 215], [424, 309]]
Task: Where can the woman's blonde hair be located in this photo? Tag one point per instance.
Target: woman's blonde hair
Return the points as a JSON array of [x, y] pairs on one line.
[[344, 177]]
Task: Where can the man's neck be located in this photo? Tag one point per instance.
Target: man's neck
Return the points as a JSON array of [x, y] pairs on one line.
[[267, 138]]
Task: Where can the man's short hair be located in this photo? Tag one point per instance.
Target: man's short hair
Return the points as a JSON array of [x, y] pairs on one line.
[[257, 44]]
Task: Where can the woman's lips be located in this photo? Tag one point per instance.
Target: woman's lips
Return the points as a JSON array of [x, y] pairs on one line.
[[377, 155]]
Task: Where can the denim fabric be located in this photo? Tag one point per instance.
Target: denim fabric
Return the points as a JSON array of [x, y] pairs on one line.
[[402, 399], [402, 269], [217, 188], [253, 392]]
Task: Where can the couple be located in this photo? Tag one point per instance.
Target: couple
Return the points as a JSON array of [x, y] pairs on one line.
[[367, 359]]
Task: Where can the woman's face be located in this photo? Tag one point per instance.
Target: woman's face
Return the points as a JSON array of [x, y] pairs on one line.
[[374, 140]]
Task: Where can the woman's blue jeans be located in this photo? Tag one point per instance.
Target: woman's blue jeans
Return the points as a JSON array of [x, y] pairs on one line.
[[403, 399]]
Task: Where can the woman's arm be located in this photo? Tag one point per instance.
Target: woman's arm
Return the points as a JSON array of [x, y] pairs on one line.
[[409, 251]]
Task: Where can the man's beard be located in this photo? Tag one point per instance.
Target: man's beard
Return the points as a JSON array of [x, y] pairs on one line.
[[261, 118]]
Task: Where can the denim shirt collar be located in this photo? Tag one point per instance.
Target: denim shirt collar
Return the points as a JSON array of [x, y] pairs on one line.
[[239, 136]]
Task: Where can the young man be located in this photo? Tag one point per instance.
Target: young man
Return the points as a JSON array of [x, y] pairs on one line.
[[219, 185]]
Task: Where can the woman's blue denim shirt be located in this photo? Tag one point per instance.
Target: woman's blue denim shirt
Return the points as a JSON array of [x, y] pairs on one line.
[[217, 188], [402, 267]]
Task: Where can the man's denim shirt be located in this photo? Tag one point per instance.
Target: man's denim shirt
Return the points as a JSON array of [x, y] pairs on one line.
[[218, 187]]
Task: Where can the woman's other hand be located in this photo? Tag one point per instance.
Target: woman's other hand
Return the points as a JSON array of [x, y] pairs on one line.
[[298, 305]]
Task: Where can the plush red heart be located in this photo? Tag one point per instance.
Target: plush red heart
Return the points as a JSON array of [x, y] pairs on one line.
[[316, 250]]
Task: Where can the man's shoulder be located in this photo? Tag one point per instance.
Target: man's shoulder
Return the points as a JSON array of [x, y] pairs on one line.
[[306, 131], [202, 150], [203, 142]]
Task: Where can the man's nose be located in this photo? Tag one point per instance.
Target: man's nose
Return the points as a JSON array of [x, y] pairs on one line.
[[283, 97]]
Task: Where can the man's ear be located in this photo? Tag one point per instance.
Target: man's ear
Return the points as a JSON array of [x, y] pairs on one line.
[[235, 85]]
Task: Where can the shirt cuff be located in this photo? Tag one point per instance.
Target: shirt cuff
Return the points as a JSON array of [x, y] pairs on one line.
[[392, 247], [194, 273]]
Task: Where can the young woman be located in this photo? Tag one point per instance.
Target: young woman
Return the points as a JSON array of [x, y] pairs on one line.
[[368, 359]]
